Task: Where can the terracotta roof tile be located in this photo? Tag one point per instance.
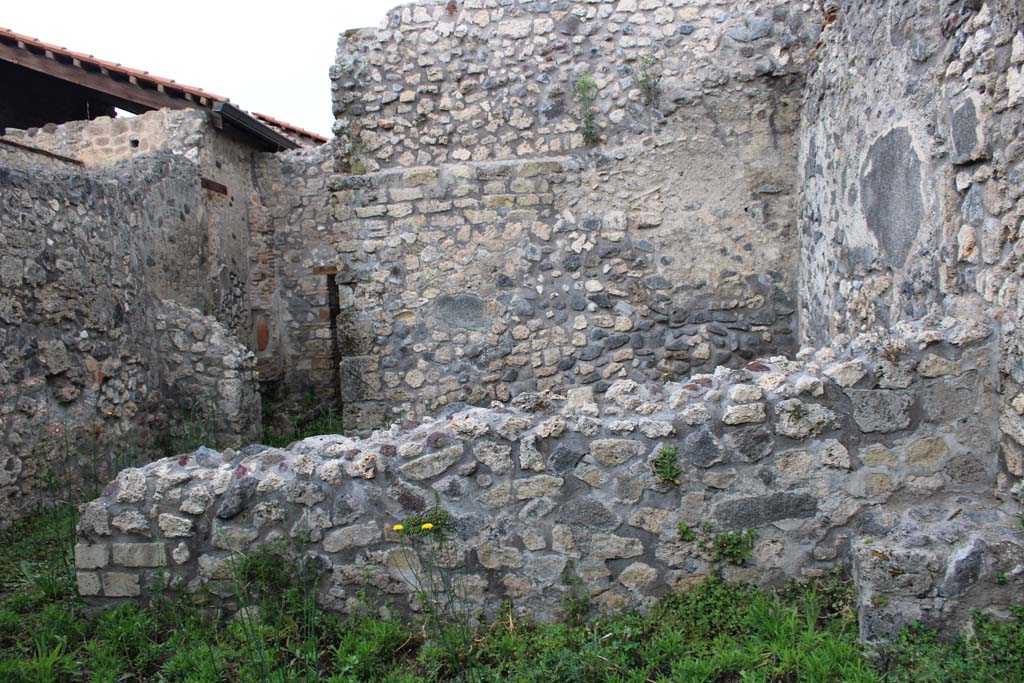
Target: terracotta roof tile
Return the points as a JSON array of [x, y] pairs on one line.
[[190, 95], [290, 130], [110, 68]]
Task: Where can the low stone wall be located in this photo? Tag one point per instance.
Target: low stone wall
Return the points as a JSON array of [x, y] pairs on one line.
[[885, 446]]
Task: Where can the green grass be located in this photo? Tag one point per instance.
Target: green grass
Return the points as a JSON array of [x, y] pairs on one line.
[[995, 653], [715, 633]]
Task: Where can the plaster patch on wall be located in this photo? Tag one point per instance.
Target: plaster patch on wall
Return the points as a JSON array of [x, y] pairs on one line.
[[462, 310], [890, 186]]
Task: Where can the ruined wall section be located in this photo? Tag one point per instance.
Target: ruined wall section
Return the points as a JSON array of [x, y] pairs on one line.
[[846, 453], [222, 156], [913, 177], [97, 366], [479, 80], [475, 282], [15, 154]]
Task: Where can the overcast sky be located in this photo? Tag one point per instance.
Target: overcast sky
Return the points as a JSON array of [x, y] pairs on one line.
[[270, 57]]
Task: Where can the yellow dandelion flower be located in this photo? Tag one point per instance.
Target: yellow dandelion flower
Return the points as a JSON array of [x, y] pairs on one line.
[[427, 527], [397, 527]]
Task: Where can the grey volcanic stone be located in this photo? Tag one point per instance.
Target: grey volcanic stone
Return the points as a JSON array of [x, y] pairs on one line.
[[759, 27], [880, 410], [701, 448], [237, 497], [564, 458], [968, 143], [751, 443], [758, 511], [949, 400], [587, 512], [964, 571]]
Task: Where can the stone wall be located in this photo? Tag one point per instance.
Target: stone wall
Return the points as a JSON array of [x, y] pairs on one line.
[[229, 161], [537, 262], [847, 452], [288, 294], [755, 178], [98, 365], [912, 196], [912, 203], [478, 281], [479, 80]]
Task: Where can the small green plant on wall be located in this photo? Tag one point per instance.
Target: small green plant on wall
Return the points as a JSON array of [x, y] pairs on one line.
[[665, 466], [585, 91], [734, 547], [731, 547], [576, 602], [648, 79]]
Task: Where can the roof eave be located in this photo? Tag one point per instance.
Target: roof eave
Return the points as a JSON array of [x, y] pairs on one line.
[[252, 126]]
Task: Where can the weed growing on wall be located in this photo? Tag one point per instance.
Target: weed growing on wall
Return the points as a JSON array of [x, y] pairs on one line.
[[351, 150], [734, 547], [665, 466], [585, 92], [731, 547], [648, 79], [430, 570], [428, 567], [888, 344], [576, 603]]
